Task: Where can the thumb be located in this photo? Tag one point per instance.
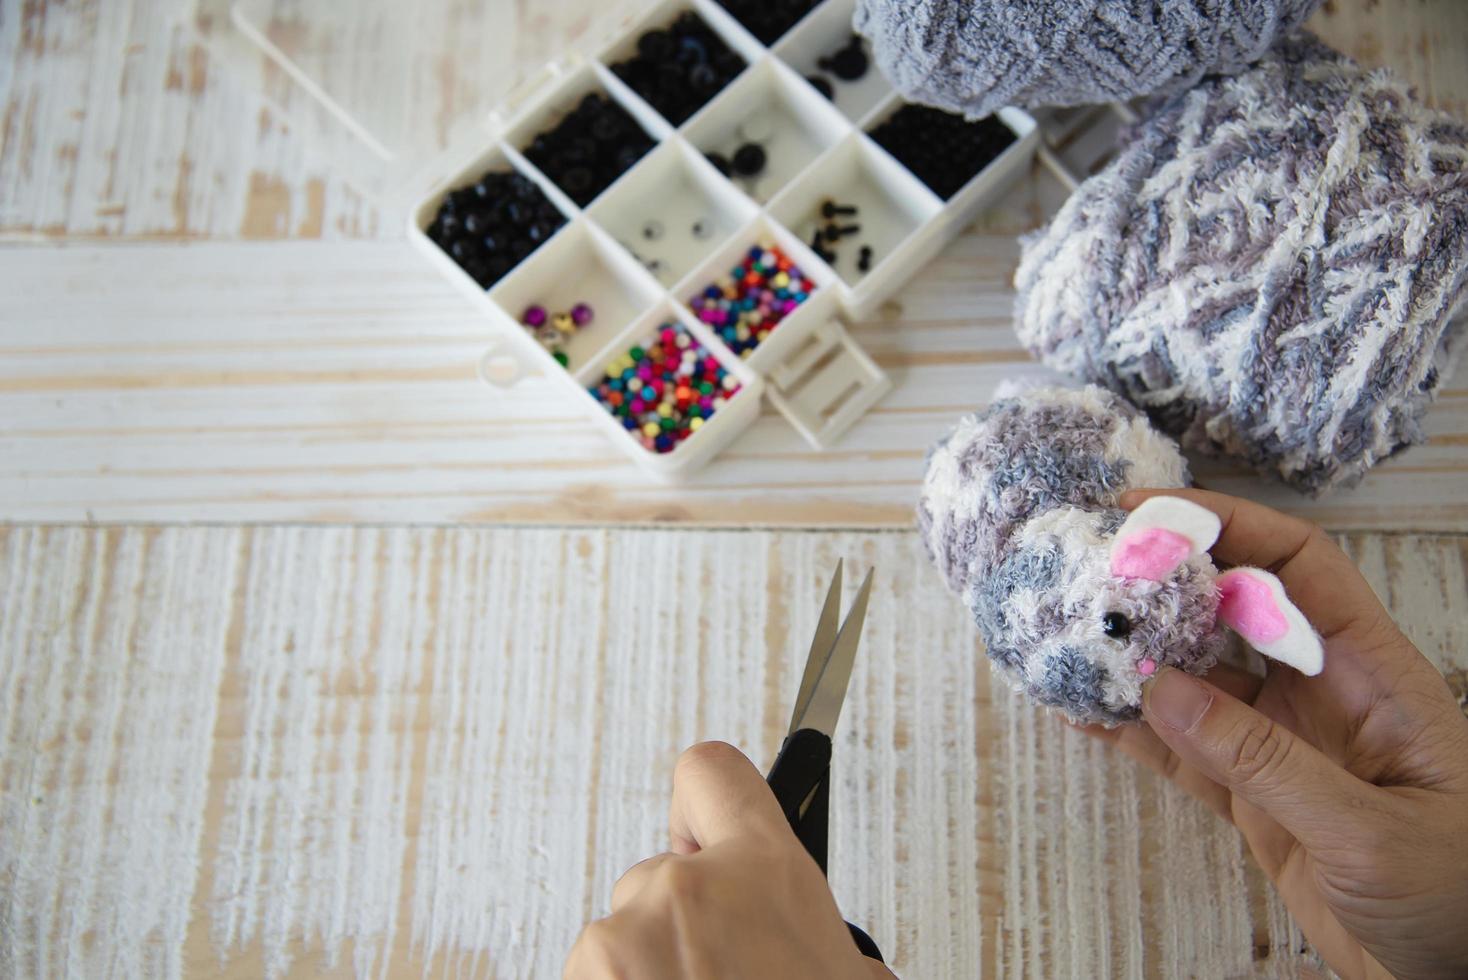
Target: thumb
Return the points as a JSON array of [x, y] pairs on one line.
[[1254, 756]]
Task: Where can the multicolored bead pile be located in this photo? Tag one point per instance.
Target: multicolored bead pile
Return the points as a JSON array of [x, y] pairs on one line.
[[664, 389], [553, 331], [763, 289]]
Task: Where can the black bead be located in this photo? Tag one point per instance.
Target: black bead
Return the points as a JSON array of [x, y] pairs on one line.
[[679, 68], [703, 78], [1116, 625], [578, 182], [491, 224], [822, 85], [942, 149], [606, 127], [749, 159], [768, 19], [626, 157], [591, 147], [523, 187], [691, 51], [655, 45], [849, 63]]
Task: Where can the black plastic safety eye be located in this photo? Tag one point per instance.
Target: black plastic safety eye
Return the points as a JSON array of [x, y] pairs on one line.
[[1116, 625]]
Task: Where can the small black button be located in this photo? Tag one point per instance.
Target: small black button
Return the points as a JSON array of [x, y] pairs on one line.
[[749, 159]]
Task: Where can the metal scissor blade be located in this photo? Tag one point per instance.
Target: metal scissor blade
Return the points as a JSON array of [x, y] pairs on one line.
[[820, 647], [824, 707]]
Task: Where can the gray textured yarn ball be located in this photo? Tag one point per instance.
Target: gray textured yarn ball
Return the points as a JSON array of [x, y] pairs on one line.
[[974, 56], [1273, 267]]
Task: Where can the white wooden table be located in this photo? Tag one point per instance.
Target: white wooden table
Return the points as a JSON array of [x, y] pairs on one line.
[[304, 733]]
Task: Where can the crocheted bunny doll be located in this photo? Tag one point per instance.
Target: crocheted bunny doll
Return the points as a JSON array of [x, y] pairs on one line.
[[1078, 601]]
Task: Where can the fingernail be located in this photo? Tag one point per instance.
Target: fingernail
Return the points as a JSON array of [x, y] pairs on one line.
[[1177, 699]]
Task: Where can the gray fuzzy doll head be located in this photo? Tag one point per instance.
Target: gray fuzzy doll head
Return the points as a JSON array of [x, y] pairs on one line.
[[1078, 601]]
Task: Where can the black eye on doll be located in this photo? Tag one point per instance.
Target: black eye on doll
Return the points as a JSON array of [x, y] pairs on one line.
[[1116, 626]]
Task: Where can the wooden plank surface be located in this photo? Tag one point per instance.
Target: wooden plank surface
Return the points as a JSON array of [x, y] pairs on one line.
[[313, 382], [287, 751], [113, 110], [144, 378], [294, 750]]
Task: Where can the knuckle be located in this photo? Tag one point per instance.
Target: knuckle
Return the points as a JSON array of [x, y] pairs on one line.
[[706, 754], [1260, 750], [597, 952], [681, 882]]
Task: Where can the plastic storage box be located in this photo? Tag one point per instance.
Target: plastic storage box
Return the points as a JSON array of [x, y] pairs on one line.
[[817, 149]]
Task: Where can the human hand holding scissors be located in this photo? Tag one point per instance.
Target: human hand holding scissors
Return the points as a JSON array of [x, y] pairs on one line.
[[742, 892]]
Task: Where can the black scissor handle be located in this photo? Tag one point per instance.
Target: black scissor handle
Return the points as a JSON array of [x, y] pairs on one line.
[[801, 773], [865, 944]]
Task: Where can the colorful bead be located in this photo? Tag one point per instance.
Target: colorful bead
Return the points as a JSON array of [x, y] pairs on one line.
[[662, 407], [763, 289], [553, 331]]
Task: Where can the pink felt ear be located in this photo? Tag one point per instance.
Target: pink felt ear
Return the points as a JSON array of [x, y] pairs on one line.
[[1149, 553], [1253, 603], [1161, 534]]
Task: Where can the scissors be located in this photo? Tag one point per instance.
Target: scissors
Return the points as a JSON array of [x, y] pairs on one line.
[[801, 775]]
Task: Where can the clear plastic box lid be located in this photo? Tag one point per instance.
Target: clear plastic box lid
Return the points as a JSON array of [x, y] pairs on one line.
[[382, 87]]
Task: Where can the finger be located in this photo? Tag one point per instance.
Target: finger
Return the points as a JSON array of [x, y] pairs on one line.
[[878, 971], [1140, 744], [1375, 684], [1254, 757], [1319, 577], [635, 879], [717, 795], [625, 945]]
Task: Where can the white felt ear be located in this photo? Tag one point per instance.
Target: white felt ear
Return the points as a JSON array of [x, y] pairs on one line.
[[1196, 523], [1255, 606]]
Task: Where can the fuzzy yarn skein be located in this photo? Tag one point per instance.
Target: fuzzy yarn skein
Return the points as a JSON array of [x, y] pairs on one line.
[[1274, 267], [974, 56]]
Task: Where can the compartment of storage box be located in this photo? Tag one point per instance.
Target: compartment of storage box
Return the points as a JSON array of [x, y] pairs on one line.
[[708, 411], [718, 295], [583, 138], [765, 129], [890, 207], [582, 265], [672, 211], [676, 60], [487, 217], [824, 49]]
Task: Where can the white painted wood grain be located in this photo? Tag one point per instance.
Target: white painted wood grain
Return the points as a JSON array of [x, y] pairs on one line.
[[359, 751], [112, 647], [117, 122], [335, 382]]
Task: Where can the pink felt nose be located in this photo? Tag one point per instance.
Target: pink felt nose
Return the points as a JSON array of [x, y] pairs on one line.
[[1147, 667]]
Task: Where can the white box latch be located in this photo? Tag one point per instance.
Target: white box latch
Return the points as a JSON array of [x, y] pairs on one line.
[[823, 387]]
